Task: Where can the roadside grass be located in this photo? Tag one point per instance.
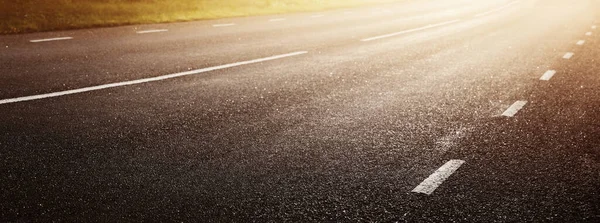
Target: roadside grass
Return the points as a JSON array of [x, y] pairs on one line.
[[21, 16]]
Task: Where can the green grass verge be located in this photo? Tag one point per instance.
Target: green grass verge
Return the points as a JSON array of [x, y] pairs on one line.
[[20, 16]]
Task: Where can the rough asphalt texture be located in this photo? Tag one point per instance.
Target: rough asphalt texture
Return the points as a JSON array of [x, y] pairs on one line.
[[342, 133]]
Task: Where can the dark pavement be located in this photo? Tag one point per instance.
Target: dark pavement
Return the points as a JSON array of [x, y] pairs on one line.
[[341, 133]]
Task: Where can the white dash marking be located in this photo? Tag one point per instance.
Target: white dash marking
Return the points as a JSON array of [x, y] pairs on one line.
[[152, 31], [514, 108], [548, 75], [593, 27], [580, 42], [568, 55], [316, 16], [438, 177], [224, 25], [276, 20], [496, 9], [588, 33], [50, 39], [410, 30], [348, 12], [145, 80]]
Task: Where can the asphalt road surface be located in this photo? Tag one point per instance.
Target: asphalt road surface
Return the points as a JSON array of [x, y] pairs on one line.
[[415, 111]]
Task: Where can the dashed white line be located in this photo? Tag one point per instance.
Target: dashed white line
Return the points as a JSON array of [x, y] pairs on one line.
[[580, 42], [50, 39], [496, 10], [593, 27], [548, 75], [410, 30], [224, 25], [438, 177], [568, 55], [152, 31], [588, 33], [316, 16], [276, 20], [145, 80], [514, 108]]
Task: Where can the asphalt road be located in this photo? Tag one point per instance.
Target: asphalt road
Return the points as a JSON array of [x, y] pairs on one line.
[[416, 111]]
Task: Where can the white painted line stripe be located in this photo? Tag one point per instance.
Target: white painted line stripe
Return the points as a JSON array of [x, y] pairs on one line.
[[593, 27], [224, 25], [410, 30], [152, 31], [438, 177], [568, 55], [496, 10], [145, 80], [276, 20], [514, 108], [316, 16], [548, 75], [588, 33], [580, 42], [348, 12], [50, 39]]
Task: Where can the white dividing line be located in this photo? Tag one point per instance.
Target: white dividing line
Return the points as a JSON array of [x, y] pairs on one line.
[[568, 55], [145, 80], [514, 108], [588, 33], [224, 25], [50, 39], [548, 75], [276, 20], [152, 31], [580, 42], [593, 27], [495, 10], [316, 16], [438, 177], [410, 30]]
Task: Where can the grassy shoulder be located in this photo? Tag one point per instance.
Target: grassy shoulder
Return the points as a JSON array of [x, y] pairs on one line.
[[20, 16]]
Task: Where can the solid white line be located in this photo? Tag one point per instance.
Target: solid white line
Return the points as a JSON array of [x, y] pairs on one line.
[[548, 75], [438, 177], [145, 80], [316, 16], [276, 20], [580, 42], [568, 55], [50, 39], [224, 25], [496, 10], [514, 108], [588, 33], [152, 31], [410, 30]]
